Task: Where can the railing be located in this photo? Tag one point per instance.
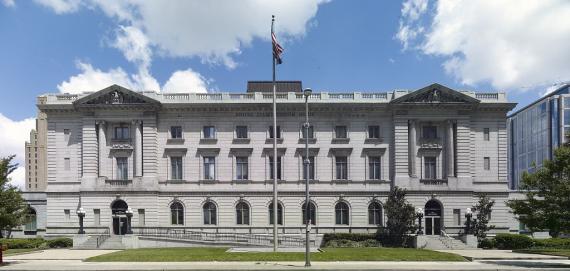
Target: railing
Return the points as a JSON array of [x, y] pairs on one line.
[[229, 237], [104, 236], [341, 96], [487, 96], [433, 181], [118, 182]]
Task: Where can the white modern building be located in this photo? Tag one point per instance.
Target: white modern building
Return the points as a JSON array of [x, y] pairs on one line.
[[202, 162]]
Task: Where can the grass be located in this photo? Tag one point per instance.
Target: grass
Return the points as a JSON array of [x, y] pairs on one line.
[[546, 251], [220, 254], [15, 251]]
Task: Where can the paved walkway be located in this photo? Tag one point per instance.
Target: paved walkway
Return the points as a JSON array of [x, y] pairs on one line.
[[482, 254]]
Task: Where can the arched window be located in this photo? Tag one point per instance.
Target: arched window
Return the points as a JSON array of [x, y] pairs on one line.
[[209, 213], [375, 213], [242, 213], [177, 213], [312, 213], [31, 221], [341, 212], [279, 214]]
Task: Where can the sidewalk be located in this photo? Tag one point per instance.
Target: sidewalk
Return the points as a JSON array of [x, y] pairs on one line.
[[494, 254]]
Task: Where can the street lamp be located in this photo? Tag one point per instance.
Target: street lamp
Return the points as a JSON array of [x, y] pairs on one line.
[[129, 214], [468, 215], [420, 215], [81, 215], [307, 93]]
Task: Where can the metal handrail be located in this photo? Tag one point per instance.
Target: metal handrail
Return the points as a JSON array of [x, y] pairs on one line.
[[103, 237]]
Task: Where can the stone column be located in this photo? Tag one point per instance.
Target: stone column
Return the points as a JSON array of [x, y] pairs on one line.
[[450, 149], [102, 144], [412, 147], [138, 148]]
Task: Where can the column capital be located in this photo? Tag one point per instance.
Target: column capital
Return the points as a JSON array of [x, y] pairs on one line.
[[100, 122]]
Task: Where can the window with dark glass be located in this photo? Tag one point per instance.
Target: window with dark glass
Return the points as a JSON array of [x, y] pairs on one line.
[[429, 132], [374, 132], [341, 212], [176, 168], [271, 165], [430, 168], [486, 163], [486, 134], [242, 168], [311, 168], [374, 213], [341, 163], [374, 167], [241, 131], [242, 213], [121, 132], [271, 131], [176, 132], [279, 214], [122, 168], [307, 134], [340, 131], [312, 214], [209, 213], [176, 213], [209, 167], [209, 132]]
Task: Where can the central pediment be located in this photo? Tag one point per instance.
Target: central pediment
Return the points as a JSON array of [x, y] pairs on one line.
[[116, 96], [435, 94]]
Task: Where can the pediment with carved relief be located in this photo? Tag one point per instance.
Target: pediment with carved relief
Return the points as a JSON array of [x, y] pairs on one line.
[[116, 95], [435, 93]]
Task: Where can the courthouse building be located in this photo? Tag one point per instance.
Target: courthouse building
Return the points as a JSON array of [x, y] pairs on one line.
[[203, 162]]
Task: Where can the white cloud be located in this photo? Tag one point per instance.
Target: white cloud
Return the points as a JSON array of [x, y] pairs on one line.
[[13, 139], [18, 177], [9, 3], [61, 6], [186, 81], [508, 43]]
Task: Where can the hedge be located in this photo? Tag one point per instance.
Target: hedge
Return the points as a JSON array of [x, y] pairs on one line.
[[350, 243], [357, 237], [60, 242], [513, 241], [37, 243], [488, 243], [561, 243]]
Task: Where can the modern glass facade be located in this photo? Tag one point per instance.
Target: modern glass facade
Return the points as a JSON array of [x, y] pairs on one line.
[[536, 131]]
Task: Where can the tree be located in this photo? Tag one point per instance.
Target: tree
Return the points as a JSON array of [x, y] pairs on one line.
[[401, 217], [480, 224], [547, 195], [13, 209]]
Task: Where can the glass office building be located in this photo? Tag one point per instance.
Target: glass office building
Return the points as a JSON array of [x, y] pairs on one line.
[[535, 131]]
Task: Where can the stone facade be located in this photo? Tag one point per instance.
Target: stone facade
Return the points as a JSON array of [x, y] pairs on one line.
[[36, 172], [167, 155]]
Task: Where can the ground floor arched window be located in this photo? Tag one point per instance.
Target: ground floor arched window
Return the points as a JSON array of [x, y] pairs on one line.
[[242, 213], [341, 212], [279, 214], [176, 213], [374, 213], [210, 217], [312, 213]]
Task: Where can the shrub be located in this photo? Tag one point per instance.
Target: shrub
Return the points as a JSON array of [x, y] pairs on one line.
[[351, 243], [60, 242], [357, 237], [560, 243], [513, 241], [487, 243], [22, 243]]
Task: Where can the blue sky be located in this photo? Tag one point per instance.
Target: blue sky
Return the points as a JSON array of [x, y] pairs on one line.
[[338, 45]]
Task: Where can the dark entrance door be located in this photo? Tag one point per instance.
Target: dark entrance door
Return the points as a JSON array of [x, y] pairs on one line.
[[118, 209], [433, 218]]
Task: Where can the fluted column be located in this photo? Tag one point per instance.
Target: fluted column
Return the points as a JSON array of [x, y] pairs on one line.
[[450, 149], [102, 143], [412, 147], [138, 148]]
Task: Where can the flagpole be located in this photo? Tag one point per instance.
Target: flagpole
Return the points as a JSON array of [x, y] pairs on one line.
[[275, 158]]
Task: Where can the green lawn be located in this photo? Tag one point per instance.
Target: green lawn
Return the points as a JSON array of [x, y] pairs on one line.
[[546, 251], [219, 254], [18, 251]]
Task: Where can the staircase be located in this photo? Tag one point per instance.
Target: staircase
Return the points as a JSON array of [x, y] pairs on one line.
[[113, 242], [444, 242]]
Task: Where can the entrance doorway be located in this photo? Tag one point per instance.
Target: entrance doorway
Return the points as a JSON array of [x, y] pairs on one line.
[[433, 219], [119, 209]]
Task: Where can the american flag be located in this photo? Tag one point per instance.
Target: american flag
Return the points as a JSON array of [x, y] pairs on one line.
[[277, 49]]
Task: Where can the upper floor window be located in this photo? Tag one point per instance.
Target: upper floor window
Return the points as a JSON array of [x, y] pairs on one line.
[[340, 131], [176, 168], [209, 168], [271, 131], [486, 134], [122, 168], [311, 169], [374, 131], [272, 164], [241, 131], [430, 168], [429, 132], [66, 134], [341, 167], [176, 132], [242, 168], [374, 167], [486, 163], [307, 133], [209, 132], [67, 164], [121, 132]]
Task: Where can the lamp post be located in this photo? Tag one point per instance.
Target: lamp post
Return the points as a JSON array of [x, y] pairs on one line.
[[129, 214], [468, 215], [420, 215], [307, 93], [81, 215]]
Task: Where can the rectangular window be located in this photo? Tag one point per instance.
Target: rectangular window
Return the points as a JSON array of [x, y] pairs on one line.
[[429, 132], [241, 168], [307, 134], [341, 167], [121, 132], [340, 131], [311, 168], [430, 168], [457, 217], [67, 215], [176, 168], [374, 132], [209, 132], [486, 134], [122, 168], [96, 217], [241, 131], [486, 163], [141, 218], [271, 131], [66, 134], [66, 164], [176, 132], [374, 167], [209, 168], [278, 168]]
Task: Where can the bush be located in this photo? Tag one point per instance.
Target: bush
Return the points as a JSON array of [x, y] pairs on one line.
[[357, 237], [60, 243], [22, 243], [513, 241], [559, 243], [351, 243], [487, 243]]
